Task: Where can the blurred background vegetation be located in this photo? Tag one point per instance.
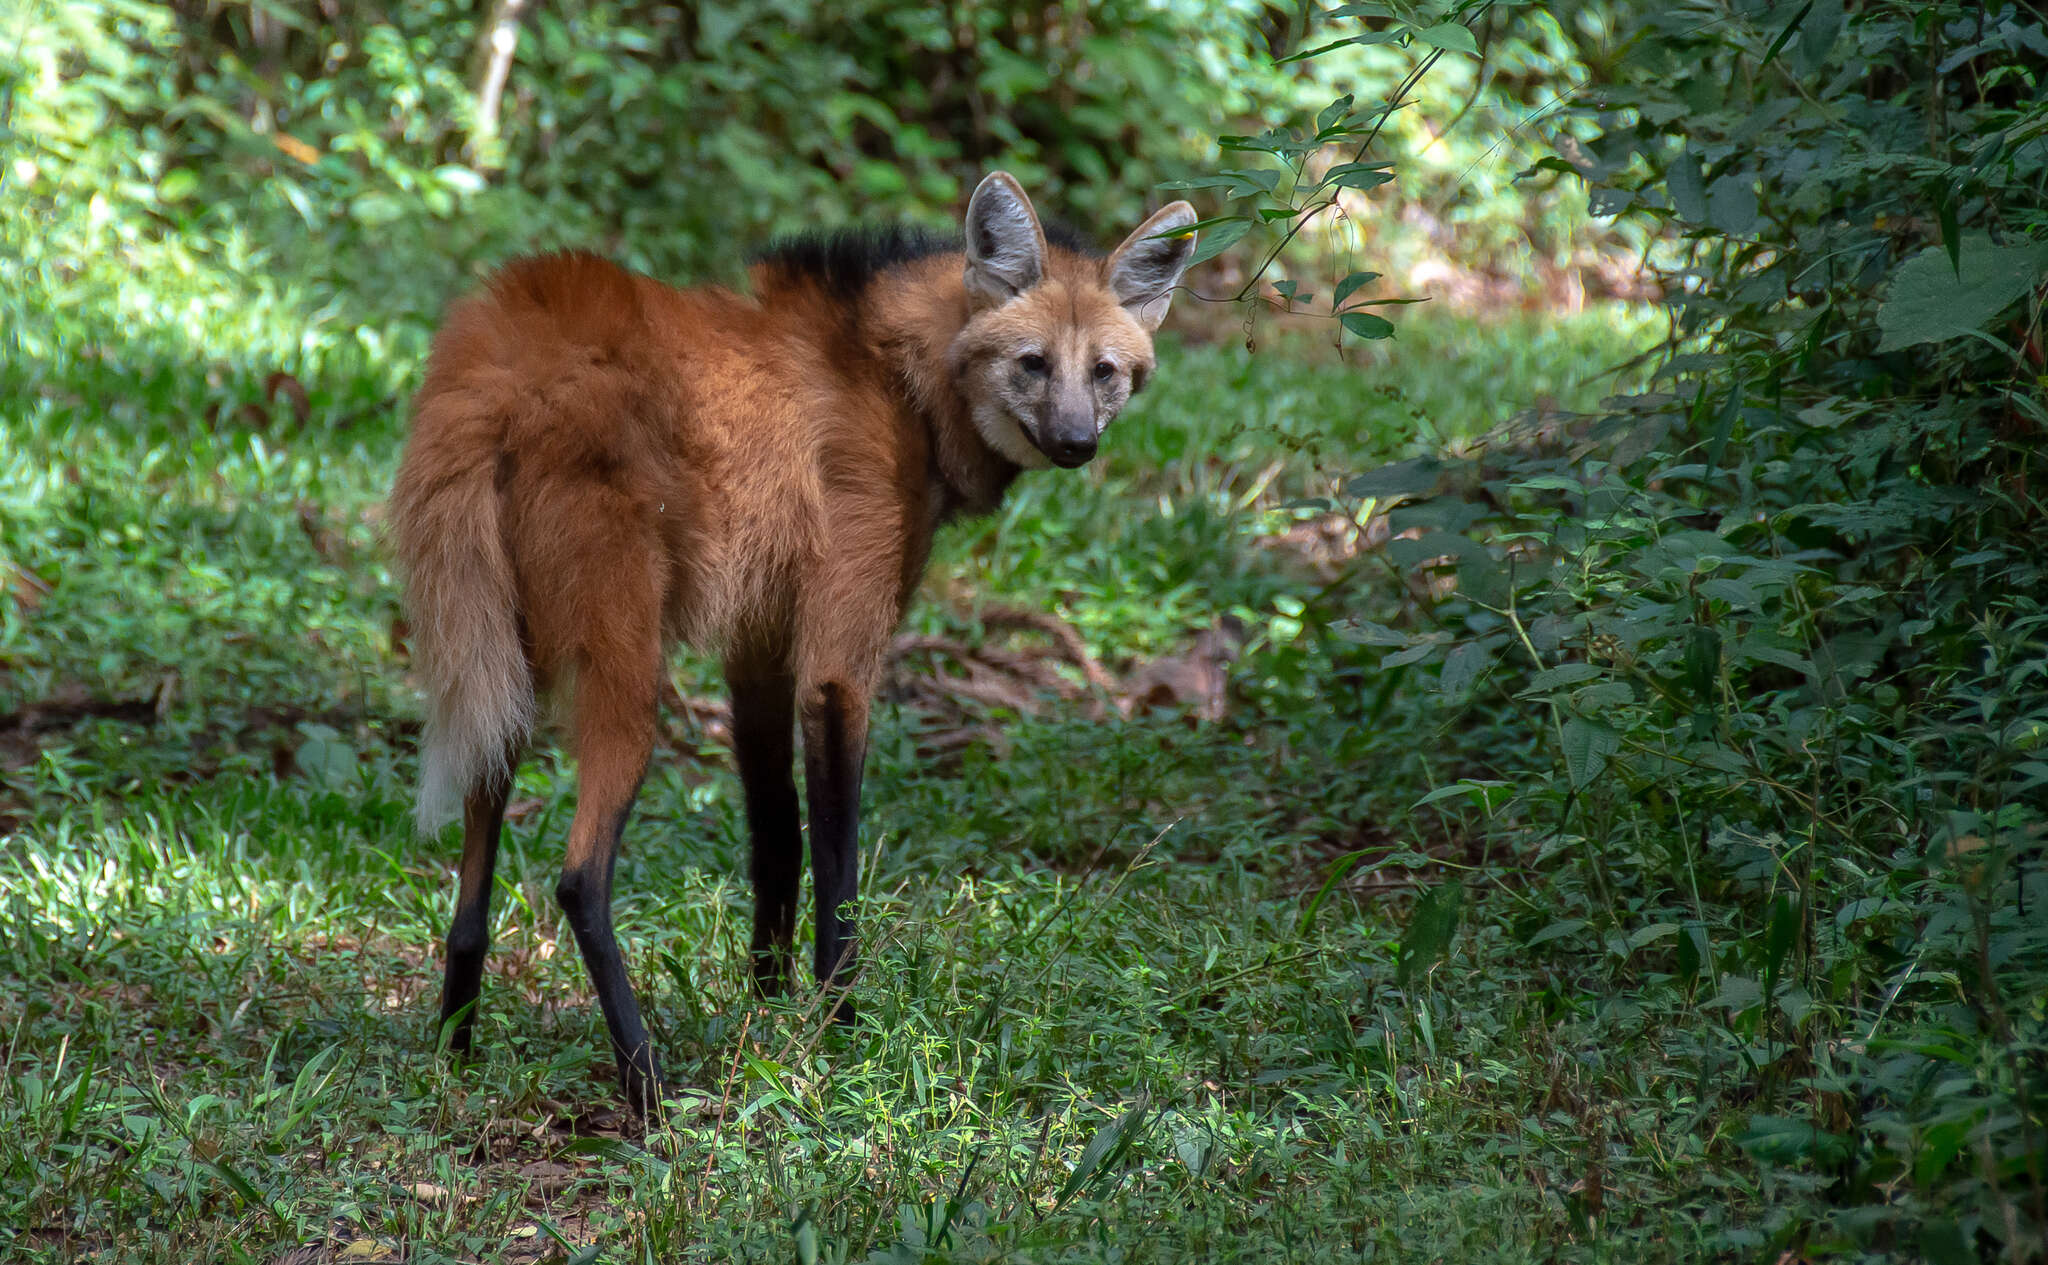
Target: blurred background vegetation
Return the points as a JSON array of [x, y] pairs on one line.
[[342, 158], [1588, 741]]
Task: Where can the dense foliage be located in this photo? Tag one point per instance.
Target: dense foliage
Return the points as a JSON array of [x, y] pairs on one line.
[[1779, 625]]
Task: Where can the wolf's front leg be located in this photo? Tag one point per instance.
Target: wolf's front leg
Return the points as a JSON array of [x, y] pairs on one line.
[[763, 717], [835, 724], [848, 613]]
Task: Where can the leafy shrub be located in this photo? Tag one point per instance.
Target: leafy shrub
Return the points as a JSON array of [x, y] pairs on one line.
[[1780, 623]]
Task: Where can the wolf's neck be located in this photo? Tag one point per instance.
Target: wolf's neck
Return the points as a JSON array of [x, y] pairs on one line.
[[913, 313]]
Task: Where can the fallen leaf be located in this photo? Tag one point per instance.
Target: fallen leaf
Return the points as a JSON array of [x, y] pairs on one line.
[[548, 1176], [1196, 681], [313, 522], [26, 587]]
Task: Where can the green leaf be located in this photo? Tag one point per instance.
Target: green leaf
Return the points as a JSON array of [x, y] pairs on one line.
[[1403, 478], [1688, 191], [1603, 201], [1245, 183], [618, 1151], [1338, 869], [1333, 113], [1109, 1138], [1479, 790], [1587, 746], [1787, 916], [1462, 666], [1931, 300], [1431, 930], [1448, 36], [1739, 993], [1220, 238], [805, 1231], [1771, 53], [178, 184], [1413, 654], [1194, 1144], [1319, 50], [1482, 578], [1781, 1140], [1651, 934], [1367, 325], [1724, 427], [1692, 950], [1703, 661], [1367, 633], [325, 758], [1555, 931], [1731, 204], [241, 1186], [374, 209], [1352, 285], [1942, 1242], [1549, 162], [1359, 175], [1939, 1146], [460, 179], [1562, 674], [1416, 551]]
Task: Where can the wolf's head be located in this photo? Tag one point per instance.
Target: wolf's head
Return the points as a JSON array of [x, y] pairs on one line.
[[1057, 341]]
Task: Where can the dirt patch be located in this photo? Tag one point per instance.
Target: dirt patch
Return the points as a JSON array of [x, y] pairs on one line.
[[1027, 661]]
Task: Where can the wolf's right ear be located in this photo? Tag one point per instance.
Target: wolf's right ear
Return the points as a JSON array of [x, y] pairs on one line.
[[1145, 269], [1005, 245]]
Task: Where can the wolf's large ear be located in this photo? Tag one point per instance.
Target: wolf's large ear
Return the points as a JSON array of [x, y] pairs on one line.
[[1145, 269], [1005, 245]]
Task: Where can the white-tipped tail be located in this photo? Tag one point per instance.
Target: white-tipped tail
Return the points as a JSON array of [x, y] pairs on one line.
[[479, 709], [464, 605]]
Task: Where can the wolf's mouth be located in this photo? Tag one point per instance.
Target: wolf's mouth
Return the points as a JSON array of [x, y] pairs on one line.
[[1032, 439], [1070, 461]]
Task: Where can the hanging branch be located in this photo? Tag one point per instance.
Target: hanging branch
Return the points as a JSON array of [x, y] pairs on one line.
[[492, 66]]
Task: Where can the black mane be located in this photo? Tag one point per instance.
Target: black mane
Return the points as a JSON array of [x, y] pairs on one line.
[[843, 261]]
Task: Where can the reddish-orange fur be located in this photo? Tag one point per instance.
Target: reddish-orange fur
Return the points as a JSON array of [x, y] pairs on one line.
[[601, 465]]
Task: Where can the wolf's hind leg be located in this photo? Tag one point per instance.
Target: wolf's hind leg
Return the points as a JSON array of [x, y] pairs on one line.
[[615, 648], [469, 933]]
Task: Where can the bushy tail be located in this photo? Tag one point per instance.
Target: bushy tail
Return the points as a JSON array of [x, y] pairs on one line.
[[463, 604]]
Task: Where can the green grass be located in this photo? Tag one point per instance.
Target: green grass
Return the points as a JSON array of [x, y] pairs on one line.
[[1107, 1014]]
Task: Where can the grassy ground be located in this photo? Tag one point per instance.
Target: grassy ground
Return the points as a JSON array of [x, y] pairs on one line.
[[1109, 1010]]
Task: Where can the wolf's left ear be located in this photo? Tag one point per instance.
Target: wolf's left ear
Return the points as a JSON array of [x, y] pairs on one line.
[[1145, 269], [1005, 245]]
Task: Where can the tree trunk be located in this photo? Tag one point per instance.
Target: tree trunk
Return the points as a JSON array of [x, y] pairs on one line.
[[491, 67]]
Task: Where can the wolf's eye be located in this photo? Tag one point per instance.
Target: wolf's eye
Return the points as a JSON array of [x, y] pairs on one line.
[[1104, 371], [1032, 362]]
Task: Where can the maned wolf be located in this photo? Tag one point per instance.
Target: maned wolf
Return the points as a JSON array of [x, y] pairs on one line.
[[601, 465]]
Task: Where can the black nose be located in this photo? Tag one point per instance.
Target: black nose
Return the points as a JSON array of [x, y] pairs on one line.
[[1070, 451]]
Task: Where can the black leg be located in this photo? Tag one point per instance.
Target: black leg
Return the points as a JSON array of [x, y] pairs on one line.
[[585, 894], [835, 724], [469, 934], [763, 739]]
